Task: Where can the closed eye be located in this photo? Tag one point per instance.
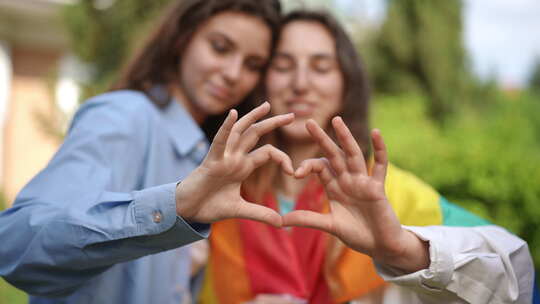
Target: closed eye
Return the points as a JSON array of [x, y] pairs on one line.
[[282, 63], [323, 63], [220, 43], [255, 64]]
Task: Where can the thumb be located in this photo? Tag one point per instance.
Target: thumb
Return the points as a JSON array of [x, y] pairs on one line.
[[309, 219], [251, 211]]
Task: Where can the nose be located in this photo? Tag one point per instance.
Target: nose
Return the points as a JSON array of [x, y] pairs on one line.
[[300, 81], [233, 70]]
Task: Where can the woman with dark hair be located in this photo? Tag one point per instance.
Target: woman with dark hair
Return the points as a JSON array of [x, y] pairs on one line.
[[97, 225], [355, 196]]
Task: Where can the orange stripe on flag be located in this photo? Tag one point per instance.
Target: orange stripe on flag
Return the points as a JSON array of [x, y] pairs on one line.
[[226, 236], [354, 275]]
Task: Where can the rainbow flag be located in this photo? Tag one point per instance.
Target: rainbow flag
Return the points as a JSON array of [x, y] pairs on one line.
[[249, 258]]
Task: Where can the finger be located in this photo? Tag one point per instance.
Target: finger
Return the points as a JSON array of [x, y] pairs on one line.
[[319, 166], [309, 219], [246, 121], [220, 140], [381, 156], [268, 152], [272, 299], [355, 159], [333, 153], [252, 135], [259, 213]]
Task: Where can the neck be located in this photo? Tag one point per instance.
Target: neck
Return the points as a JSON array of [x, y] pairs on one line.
[[298, 152], [190, 107]]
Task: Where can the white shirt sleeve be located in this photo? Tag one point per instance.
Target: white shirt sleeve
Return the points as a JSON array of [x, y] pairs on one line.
[[484, 264]]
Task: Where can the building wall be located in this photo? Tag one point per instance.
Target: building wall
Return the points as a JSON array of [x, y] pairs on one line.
[[33, 35], [27, 146], [5, 92]]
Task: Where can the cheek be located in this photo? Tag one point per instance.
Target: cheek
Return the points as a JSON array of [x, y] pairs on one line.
[[190, 72], [246, 84], [332, 89], [199, 62], [330, 96], [276, 84], [276, 92]]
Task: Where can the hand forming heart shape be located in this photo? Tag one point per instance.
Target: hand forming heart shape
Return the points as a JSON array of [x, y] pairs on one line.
[[360, 214]]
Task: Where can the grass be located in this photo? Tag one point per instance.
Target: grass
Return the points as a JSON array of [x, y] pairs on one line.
[[8, 293]]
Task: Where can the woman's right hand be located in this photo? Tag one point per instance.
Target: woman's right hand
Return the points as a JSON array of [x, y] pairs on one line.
[[212, 191]]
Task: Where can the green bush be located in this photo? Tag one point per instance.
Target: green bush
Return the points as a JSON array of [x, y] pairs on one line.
[[486, 161]]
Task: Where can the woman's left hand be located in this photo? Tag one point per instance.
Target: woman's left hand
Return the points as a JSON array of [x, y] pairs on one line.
[[360, 214], [275, 299]]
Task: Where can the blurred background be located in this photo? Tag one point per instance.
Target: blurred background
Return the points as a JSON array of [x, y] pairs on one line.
[[456, 90]]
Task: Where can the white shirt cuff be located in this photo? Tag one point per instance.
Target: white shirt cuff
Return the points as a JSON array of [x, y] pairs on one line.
[[441, 268]]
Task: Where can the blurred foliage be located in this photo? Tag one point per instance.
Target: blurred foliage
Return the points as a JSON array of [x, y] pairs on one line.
[[10, 294], [534, 80], [104, 36], [52, 122], [486, 161], [419, 49], [3, 203]]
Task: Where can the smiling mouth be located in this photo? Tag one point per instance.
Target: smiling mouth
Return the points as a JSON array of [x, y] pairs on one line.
[[220, 92], [301, 109]]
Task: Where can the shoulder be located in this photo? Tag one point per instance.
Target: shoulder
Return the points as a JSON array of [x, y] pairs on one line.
[[415, 202], [401, 180], [118, 109], [125, 102]]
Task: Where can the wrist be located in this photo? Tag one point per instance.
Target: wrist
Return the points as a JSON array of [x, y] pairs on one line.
[[184, 206], [415, 255]]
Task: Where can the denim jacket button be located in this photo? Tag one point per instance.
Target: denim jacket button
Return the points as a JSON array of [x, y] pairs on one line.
[[157, 217]]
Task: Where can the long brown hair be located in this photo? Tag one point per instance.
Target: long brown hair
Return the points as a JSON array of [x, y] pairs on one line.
[[356, 94], [156, 63]]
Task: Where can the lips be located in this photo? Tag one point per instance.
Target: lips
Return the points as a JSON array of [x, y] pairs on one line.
[[220, 92], [300, 108]]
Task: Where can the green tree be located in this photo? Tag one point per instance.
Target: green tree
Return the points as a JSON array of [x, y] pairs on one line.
[[534, 80], [419, 49], [487, 162], [103, 36]]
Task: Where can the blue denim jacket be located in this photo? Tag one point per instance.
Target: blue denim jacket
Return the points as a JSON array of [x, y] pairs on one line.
[[99, 223]]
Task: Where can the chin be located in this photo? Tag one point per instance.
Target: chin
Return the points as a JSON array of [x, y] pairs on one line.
[[213, 106], [296, 132]]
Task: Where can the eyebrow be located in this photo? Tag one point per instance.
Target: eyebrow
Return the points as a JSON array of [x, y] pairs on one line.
[[324, 56], [280, 54], [222, 35], [316, 55], [231, 42]]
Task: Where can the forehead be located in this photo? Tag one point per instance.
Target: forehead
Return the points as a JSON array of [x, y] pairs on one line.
[[306, 37], [247, 32]]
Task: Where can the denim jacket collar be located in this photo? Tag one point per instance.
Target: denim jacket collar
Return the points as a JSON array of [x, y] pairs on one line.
[[185, 133]]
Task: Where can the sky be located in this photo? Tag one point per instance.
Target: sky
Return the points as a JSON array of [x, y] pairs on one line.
[[502, 37]]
